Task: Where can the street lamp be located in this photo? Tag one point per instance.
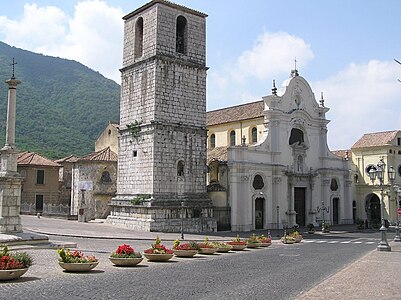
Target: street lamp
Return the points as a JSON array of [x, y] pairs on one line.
[[379, 174], [323, 208], [391, 177]]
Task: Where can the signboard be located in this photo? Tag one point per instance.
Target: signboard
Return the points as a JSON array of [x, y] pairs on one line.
[[399, 211], [85, 185]]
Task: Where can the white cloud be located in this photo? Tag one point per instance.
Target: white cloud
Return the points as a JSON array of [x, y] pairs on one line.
[[271, 55], [362, 98], [92, 36]]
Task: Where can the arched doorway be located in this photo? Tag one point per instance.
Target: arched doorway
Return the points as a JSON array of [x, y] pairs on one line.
[[259, 212], [336, 210], [373, 210]]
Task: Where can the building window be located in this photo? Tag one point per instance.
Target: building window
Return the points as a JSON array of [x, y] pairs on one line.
[[399, 141], [334, 185], [138, 38], [105, 177], [213, 141], [40, 176], [297, 136], [258, 183], [180, 168], [232, 138], [254, 135], [181, 35]]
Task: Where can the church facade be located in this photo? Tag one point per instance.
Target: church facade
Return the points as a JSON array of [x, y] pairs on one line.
[[286, 174]]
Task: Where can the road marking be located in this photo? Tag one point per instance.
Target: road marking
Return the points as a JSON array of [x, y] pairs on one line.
[[345, 242], [320, 242], [357, 242], [370, 243], [333, 242], [290, 255]]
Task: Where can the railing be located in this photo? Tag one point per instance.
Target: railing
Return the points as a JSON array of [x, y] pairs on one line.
[[48, 209]]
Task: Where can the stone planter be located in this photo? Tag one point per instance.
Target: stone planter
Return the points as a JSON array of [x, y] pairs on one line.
[[238, 247], [78, 267], [158, 257], [287, 241], [253, 245], [298, 238], [265, 244], [125, 262], [185, 253], [207, 250], [12, 274], [224, 249]]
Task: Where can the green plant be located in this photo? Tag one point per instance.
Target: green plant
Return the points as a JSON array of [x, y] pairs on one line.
[[125, 251], [16, 260], [360, 223], [253, 239], [68, 256], [310, 227], [134, 128], [137, 200]]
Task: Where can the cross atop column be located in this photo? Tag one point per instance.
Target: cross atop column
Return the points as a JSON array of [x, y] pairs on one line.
[[13, 64]]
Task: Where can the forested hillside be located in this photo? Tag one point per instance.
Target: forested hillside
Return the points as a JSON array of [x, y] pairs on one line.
[[62, 105]]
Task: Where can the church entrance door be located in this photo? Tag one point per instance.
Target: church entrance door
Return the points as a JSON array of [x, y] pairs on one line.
[[335, 210], [299, 205], [259, 215], [373, 210]]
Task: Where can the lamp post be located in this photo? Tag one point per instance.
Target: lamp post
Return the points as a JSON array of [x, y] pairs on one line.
[[323, 209], [379, 173], [397, 237], [182, 220]]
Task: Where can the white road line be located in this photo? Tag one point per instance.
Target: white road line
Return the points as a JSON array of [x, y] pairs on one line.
[[357, 242], [333, 242], [370, 243], [320, 242], [345, 242]]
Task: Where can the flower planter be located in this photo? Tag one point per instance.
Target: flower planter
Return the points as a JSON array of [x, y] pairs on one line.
[[158, 257], [224, 249], [185, 253], [12, 274], [298, 238], [253, 245], [238, 247], [125, 262], [265, 244], [78, 267], [287, 241], [207, 250]]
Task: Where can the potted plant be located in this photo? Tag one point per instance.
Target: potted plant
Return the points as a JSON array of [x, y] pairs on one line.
[[207, 247], [13, 265], [125, 256], [222, 247], [297, 236], [325, 227], [253, 241], [158, 252], [287, 239], [360, 224], [264, 241], [186, 249], [238, 244], [76, 261], [311, 228]]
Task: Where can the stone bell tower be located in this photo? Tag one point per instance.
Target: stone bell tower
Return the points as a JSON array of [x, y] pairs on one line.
[[162, 142]]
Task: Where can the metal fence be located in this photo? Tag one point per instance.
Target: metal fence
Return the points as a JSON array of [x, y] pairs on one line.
[[48, 209]]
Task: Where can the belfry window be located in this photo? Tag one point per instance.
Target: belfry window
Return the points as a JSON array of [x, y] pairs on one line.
[[138, 38], [105, 177], [232, 138], [258, 183], [333, 185], [181, 35], [297, 136]]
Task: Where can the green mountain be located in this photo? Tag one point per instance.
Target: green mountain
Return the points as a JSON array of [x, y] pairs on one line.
[[62, 105]]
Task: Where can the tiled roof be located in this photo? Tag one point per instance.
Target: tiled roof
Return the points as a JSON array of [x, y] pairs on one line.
[[218, 153], [235, 113], [34, 159], [342, 153], [375, 139], [103, 155], [70, 159]]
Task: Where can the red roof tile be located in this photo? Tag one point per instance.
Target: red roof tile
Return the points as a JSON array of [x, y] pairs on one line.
[[342, 153], [218, 153], [375, 139], [103, 155], [235, 113], [70, 159], [34, 159]]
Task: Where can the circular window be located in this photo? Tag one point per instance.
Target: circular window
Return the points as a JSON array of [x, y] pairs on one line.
[[368, 168]]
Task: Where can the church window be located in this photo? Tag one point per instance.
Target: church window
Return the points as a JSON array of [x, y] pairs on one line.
[[333, 185], [258, 183], [297, 136], [181, 35], [138, 38], [232, 138], [212, 141], [40, 176], [105, 177], [254, 135], [180, 168]]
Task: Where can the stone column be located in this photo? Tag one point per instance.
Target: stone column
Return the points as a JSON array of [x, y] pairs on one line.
[[10, 180]]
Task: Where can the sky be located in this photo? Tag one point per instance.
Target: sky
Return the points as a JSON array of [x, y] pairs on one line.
[[343, 48]]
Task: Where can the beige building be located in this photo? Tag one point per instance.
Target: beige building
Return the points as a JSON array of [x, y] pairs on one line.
[[366, 153], [108, 138], [40, 185]]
